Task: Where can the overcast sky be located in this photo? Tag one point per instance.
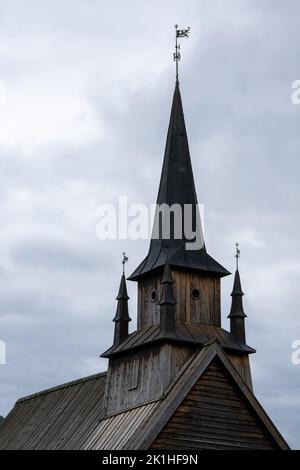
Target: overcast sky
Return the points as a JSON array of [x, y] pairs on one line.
[[85, 96]]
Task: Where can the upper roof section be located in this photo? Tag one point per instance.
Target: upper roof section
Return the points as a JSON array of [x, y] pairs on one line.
[[177, 187]]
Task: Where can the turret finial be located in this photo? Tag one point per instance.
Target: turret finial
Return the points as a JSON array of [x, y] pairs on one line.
[[237, 255], [124, 260]]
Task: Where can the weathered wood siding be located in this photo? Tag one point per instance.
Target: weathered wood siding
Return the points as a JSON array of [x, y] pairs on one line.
[[205, 310], [214, 415], [148, 311], [242, 364], [139, 378]]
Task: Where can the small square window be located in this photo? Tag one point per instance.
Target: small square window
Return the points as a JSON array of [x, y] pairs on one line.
[[134, 373]]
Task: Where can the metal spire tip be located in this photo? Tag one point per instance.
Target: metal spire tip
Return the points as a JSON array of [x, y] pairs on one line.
[[179, 33], [237, 255], [124, 260]]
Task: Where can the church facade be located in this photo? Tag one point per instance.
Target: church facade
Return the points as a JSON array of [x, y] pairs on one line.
[[180, 381]]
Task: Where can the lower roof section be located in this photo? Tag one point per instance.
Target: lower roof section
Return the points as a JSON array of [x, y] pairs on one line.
[[69, 416], [56, 418]]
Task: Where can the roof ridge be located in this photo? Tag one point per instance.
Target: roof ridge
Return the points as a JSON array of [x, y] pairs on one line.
[[59, 387]]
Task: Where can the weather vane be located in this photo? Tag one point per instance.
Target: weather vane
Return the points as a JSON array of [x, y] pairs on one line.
[[124, 260], [237, 255], [179, 33]]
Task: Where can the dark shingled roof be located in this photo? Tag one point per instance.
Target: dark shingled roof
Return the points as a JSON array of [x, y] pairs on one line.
[[237, 309], [177, 187], [188, 333], [69, 416]]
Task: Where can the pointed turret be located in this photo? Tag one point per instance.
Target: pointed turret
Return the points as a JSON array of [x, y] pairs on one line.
[[237, 315], [177, 187], [121, 318], [167, 303]]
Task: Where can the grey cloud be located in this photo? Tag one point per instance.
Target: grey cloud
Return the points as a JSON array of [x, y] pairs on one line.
[[58, 282], [51, 254]]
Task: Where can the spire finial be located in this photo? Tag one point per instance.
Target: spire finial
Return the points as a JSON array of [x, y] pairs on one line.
[[179, 33], [124, 260], [237, 255]]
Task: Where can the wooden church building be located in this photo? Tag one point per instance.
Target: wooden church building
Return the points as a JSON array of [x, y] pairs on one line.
[[180, 381]]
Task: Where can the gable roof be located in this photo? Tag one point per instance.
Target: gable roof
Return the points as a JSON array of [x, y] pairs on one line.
[[184, 384], [68, 416], [137, 428], [123, 430], [214, 415], [56, 418]]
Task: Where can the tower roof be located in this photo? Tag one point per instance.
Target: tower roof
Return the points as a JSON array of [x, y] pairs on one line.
[[122, 298], [177, 187], [237, 309]]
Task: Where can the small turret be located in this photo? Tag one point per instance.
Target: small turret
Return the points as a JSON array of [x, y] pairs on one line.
[[237, 315], [122, 318]]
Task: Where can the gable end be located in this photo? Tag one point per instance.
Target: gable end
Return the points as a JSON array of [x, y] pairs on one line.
[[215, 415]]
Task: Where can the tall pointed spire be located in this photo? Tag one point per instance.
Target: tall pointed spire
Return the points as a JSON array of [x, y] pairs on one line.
[[121, 318], [237, 315], [177, 187], [167, 303]]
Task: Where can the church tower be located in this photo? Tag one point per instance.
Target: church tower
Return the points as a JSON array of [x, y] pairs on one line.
[[179, 381], [180, 376], [179, 308]]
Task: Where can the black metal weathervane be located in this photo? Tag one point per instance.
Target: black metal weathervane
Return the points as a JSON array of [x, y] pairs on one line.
[[179, 33], [124, 260], [237, 255]]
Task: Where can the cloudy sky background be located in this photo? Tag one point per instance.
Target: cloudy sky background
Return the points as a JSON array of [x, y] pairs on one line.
[[85, 96]]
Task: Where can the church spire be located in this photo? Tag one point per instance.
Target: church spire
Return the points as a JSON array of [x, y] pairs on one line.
[[167, 303], [122, 318], [237, 315], [177, 187]]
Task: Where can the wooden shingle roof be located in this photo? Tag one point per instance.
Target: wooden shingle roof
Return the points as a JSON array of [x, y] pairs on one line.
[[188, 333], [56, 418], [69, 416], [177, 187]]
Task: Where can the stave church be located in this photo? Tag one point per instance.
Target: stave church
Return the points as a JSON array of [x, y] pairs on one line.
[[179, 381]]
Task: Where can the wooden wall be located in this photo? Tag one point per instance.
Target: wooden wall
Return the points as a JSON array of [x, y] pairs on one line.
[[214, 415], [207, 309], [138, 378], [242, 364]]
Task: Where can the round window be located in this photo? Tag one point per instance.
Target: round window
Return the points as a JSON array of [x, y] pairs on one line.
[[195, 293], [153, 296]]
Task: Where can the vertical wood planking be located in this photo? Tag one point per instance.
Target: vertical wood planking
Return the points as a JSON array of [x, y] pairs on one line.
[[205, 310], [158, 366], [214, 415]]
